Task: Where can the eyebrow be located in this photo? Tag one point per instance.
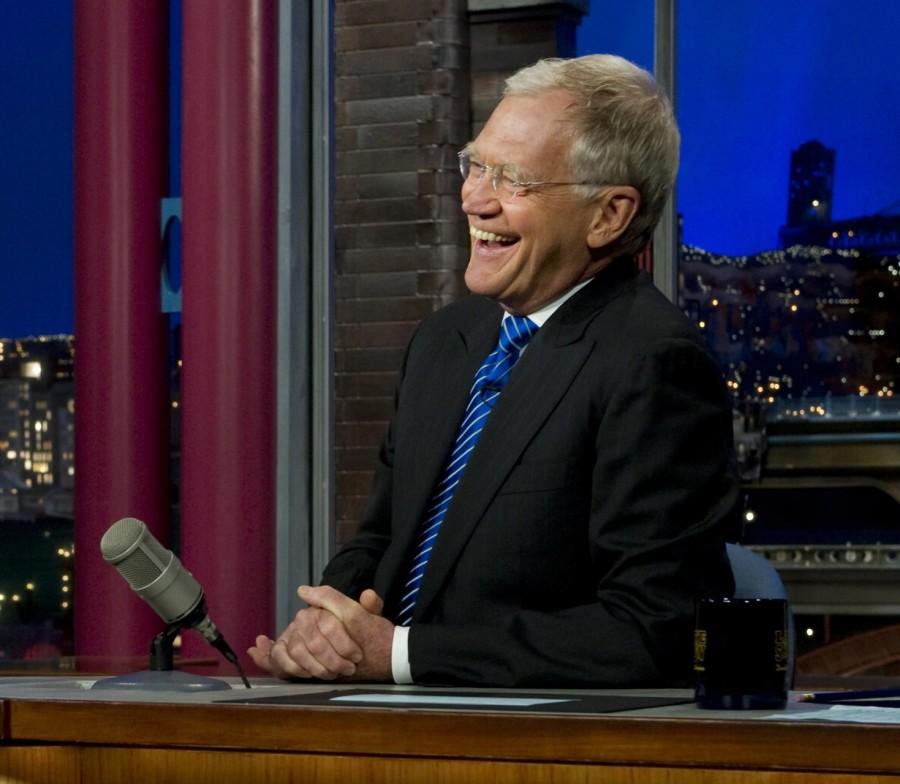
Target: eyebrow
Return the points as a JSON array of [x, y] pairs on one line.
[[511, 169]]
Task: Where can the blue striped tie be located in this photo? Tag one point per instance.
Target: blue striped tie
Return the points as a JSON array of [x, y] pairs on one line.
[[515, 332]]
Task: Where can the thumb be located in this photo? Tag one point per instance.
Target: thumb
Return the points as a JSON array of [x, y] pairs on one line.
[[371, 602]]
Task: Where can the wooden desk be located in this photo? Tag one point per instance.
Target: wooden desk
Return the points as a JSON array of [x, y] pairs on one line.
[[63, 740]]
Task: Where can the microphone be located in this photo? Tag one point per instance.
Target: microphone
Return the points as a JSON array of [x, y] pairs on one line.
[[160, 579]]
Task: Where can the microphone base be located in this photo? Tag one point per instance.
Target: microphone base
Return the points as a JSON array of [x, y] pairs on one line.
[[162, 680]]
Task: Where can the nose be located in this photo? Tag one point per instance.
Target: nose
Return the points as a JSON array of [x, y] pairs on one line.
[[479, 198]]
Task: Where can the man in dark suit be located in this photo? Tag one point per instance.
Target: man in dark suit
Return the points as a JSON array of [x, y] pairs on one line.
[[553, 521]]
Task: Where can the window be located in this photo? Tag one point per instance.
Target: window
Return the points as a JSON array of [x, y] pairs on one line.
[[790, 265], [35, 330]]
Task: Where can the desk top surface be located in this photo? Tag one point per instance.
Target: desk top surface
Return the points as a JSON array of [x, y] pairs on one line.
[[801, 737], [78, 689]]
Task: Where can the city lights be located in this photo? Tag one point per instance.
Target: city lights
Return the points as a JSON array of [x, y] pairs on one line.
[[31, 369], [791, 357]]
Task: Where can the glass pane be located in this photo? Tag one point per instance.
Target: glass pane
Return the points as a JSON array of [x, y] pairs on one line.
[[789, 210], [625, 29], [36, 351], [790, 114]]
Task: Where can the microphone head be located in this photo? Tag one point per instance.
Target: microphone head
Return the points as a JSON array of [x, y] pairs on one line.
[[121, 536], [152, 570], [135, 552]]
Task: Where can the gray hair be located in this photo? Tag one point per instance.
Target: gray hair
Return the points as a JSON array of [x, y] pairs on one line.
[[625, 130]]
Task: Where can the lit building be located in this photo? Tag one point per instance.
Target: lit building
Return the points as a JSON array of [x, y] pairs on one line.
[[810, 197], [37, 464], [806, 331], [811, 185], [877, 234]]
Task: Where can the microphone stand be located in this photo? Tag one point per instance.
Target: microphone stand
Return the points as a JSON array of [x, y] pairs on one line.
[[162, 652], [162, 676]]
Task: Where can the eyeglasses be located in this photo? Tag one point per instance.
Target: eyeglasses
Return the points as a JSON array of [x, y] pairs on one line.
[[503, 180]]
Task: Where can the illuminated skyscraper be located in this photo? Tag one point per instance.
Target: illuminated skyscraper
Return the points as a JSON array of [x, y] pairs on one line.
[[810, 198], [36, 427]]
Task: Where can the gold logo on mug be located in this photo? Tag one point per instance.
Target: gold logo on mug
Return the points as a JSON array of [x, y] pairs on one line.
[[781, 650], [699, 650]]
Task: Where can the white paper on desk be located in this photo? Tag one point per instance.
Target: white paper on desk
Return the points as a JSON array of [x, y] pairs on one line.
[[867, 714], [457, 701]]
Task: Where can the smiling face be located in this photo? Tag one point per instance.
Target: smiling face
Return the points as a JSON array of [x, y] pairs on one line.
[[529, 249]]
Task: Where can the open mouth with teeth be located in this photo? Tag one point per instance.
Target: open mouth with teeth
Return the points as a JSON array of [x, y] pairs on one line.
[[487, 239]]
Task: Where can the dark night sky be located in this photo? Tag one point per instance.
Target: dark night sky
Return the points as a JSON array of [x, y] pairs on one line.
[[36, 149], [756, 79]]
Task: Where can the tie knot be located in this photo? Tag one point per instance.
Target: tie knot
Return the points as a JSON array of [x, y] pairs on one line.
[[515, 332]]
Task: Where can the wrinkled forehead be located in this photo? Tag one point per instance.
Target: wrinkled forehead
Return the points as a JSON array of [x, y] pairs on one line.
[[529, 132]]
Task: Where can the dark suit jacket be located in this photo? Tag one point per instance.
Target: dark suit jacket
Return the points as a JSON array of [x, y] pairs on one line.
[[592, 512]]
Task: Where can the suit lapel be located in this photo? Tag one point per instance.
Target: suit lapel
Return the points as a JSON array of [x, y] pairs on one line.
[[439, 392]]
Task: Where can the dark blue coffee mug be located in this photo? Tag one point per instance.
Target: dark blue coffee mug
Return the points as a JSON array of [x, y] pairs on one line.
[[741, 653]]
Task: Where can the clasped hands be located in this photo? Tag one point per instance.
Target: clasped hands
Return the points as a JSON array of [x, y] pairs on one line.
[[334, 637]]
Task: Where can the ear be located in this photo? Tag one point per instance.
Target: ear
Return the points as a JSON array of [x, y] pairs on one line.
[[614, 210]]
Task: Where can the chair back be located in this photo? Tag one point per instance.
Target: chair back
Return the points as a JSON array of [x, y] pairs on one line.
[[754, 576]]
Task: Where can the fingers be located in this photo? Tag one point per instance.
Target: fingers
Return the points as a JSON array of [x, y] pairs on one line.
[[260, 652], [268, 655], [363, 623], [288, 660], [315, 645], [321, 644], [327, 598], [325, 640], [371, 602], [334, 633]]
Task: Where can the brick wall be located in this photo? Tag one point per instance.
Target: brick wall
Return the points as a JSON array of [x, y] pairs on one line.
[[405, 98], [506, 36], [402, 112]]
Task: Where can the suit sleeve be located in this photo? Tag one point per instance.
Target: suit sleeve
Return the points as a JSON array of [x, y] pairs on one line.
[[663, 502]]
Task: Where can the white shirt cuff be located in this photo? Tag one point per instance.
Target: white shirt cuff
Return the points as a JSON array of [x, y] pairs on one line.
[[400, 669]]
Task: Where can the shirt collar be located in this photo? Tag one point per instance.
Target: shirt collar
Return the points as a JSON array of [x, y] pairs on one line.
[[541, 315]]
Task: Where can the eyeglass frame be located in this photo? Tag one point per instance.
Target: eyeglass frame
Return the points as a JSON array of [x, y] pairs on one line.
[[498, 176]]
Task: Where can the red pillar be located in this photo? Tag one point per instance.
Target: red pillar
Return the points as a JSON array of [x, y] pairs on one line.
[[121, 434], [228, 337]]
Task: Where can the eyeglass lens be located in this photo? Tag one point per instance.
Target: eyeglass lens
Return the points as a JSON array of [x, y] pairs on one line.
[[501, 185]]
